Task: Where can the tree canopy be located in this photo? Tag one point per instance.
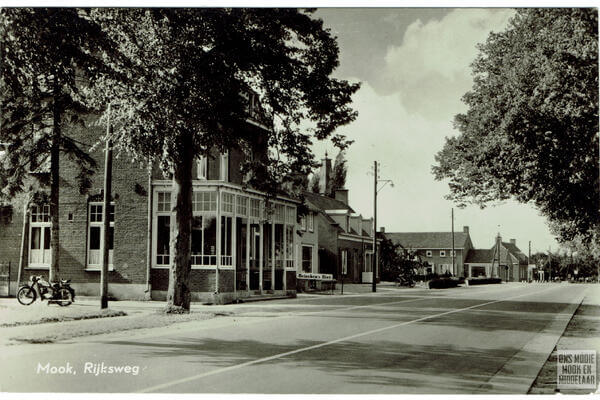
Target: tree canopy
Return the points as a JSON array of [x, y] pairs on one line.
[[531, 129], [198, 63], [48, 56]]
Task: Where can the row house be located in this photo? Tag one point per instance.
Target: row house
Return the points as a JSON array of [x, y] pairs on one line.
[[435, 248], [344, 237], [242, 243]]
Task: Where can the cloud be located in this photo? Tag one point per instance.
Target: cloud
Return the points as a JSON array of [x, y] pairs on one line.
[[430, 70], [404, 144], [404, 126]]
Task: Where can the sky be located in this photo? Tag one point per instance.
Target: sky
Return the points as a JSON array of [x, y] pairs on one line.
[[414, 67]]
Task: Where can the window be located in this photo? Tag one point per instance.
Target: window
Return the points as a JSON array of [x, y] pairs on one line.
[[204, 201], [344, 262], [164, 201], [255, 208], [242, 206], [368, 261], [303, 223], [289, 252], [163, 228], [446, 269], [39, 237], [307, 258], [204, 240], [442, 253], [310, 221], [228, 203], [224, 170], [279, 213], [290, 215], [226, 241], [279, 246], [202, 167], [428, 253], [6, 213], [96, 235]]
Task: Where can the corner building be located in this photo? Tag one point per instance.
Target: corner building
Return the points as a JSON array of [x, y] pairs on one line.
[[242, 243]]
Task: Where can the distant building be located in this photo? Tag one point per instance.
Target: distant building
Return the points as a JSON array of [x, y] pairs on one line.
[[504, 260], [435, 248]]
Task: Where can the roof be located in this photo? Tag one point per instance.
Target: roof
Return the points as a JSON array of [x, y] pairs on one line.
[[323, 202], [479, 256], [516, 252], [428, 240]]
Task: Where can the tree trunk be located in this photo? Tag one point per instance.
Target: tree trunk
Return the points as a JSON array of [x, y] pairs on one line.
[[178, 295], [54, 181]]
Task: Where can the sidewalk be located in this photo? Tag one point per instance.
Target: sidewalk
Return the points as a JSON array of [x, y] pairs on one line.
[[43, 323], [582, 333]]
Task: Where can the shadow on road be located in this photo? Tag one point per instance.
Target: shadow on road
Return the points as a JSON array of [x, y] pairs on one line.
[[461, 362]]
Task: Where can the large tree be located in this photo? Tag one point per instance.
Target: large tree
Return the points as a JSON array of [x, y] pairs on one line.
[[48, 55], [531, 129], [198, 63]]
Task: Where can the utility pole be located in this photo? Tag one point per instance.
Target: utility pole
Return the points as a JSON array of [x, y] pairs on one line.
[[453, 271], [549, 264], [376, 180], [529, 262], [106, 214], [375, 177]]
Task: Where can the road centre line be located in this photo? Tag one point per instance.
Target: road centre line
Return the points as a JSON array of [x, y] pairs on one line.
[[255, 319], [343, 339], [260, 318]]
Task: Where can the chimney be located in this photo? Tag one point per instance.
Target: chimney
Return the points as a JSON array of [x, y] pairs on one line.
[[342, 195], [465, 229], [325, 175], [513, 241]]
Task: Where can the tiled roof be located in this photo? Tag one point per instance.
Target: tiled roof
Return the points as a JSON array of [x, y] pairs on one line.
[[516, 252], [428, 240], [479, 256], [323, 202]]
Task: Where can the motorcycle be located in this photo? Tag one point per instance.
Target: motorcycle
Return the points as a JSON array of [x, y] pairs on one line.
[[60, 293]]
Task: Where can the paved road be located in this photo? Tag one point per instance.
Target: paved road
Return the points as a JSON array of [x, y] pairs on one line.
[[491, 339]]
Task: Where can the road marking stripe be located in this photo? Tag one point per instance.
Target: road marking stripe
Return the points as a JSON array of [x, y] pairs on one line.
[[316, 346]]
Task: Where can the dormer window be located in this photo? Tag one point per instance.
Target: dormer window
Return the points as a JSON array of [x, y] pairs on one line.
[[202, 167], [224, 167]]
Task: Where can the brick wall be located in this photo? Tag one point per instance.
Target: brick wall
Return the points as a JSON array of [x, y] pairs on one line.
[[130, 191], [10, 241], [328, 242], [202, 280], [356, 258]]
